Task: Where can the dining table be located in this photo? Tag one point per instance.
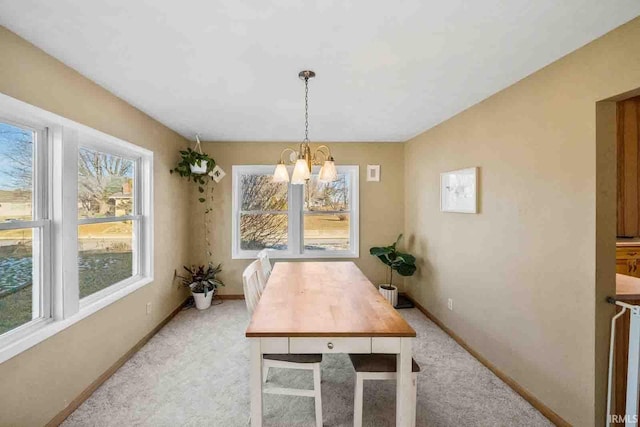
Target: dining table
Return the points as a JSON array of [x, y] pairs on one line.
[[327, 307]]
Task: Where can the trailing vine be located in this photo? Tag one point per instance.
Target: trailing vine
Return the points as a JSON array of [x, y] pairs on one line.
[[186, 168], [208, 209]]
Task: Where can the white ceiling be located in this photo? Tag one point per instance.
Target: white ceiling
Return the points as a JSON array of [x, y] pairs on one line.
[[387, 70]]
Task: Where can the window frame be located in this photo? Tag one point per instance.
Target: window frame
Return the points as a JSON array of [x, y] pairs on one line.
[[295, 241], [57, 203], [40, 224], [136, 217]]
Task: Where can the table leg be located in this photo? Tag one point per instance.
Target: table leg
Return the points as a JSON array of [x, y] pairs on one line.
[[404, 385], [255, 382]]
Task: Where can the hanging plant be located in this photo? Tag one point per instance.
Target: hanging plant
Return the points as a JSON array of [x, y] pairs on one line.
[[207, 224], [196, 166]]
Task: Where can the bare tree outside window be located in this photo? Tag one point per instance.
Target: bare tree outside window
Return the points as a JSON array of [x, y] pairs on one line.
[[105, 184], [326, 214], [317, 219], [16, 245], [264, 219], [105, 190], [16, 172], [327, 196], [16, 149]]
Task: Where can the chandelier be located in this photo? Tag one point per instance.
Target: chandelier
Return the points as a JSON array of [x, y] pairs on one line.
[[303, 157]]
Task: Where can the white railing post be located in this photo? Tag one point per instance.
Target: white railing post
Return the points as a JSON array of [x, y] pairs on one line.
[[633, 370], [611, 354], [633, 365]]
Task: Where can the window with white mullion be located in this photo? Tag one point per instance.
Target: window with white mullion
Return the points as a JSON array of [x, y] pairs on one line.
[[261, 211], [42, 219], [322, 218], [24, 289], [12, 225], [296, 231], [329, 214], [326, 212], [108, 220], [138, 227], [76, 223], [136, 262], [23, 247]]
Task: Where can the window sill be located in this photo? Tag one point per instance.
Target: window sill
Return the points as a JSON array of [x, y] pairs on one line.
[[310, 256], [39, 330]]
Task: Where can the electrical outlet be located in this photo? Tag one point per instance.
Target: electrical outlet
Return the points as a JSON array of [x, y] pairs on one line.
[[148, 308], [450, 304]]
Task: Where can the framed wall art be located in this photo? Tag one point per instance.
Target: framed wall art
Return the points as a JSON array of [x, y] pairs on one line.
[[373, 173], [458, 191]]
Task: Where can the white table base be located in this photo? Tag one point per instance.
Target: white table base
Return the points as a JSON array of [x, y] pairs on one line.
[[363, 345]]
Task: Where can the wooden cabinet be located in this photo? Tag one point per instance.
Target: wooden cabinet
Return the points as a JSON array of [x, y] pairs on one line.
[[628, 167], [628, 260]]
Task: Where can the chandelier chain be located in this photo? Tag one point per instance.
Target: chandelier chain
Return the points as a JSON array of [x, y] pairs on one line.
[[306, 109]]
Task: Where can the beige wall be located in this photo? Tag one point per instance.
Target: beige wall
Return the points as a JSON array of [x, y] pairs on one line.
[[381, 203], [522, 272], [40, 382]]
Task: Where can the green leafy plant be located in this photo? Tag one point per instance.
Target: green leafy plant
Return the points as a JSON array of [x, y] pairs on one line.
[[202, 279], [404, 264], [190, 157]]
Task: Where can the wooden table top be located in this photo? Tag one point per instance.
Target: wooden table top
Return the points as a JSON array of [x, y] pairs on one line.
[[320, 299], [627, 288]]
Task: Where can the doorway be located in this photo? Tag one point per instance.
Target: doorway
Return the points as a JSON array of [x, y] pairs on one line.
[[617, 235]]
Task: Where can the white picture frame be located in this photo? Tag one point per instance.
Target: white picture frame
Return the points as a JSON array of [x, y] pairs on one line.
[[373, 173], [459, 191]]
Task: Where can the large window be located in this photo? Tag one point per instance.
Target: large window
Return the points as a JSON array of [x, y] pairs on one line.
[[264, 212], [327, 214], [75, 222], [23, 226], [107, 218], [315, 220]]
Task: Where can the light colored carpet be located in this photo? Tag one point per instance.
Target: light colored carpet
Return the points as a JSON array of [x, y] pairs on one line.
[[194, 372]]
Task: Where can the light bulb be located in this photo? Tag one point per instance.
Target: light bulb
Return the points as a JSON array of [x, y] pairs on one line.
[[301, 172], [281, 174], [328, 172]]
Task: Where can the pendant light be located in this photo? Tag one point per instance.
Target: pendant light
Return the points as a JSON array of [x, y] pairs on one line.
[[304, 160]]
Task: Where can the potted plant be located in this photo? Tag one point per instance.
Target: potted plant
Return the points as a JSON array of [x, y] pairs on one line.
[[198, 167], [203, 283], [404, 264], [194, 165]]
